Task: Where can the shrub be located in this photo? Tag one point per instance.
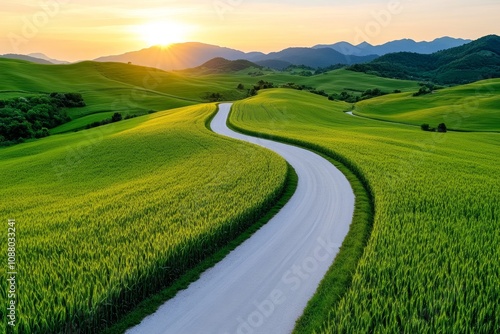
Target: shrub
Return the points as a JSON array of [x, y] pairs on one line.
[[442, 127], [425, 127], [116, 117]]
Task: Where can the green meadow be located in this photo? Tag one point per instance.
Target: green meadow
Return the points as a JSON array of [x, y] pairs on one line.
[[94, 206], [430, 264], [137, 90], [107, 216], [472, 107]]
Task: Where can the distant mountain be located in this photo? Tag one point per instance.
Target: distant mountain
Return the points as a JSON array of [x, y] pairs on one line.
[[221, 65], [315, 58], [471, 62], [178, 56], [27, 58], [189, 55], [403, 45], [44, 57]]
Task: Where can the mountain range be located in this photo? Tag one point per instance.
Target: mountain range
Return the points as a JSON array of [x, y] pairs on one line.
[[192, 54], [37, 58], [470, 62], [51, 60], [188, 55], [402, 45], [27, 58]]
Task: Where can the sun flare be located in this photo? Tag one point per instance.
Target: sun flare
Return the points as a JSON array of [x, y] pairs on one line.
[[162, 33]]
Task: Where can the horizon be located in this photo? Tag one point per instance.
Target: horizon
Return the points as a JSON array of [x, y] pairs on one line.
[[249, 51], [73, 32]]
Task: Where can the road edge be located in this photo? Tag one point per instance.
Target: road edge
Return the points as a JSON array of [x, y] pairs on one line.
[[151, 304], [338, 278]]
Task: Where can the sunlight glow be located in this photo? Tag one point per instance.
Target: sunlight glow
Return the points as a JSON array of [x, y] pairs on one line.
[[162, 33]]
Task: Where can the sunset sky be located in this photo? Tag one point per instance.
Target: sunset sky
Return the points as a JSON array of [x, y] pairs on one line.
[[76, 30]]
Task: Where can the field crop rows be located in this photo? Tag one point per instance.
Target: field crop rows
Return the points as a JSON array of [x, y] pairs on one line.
[[431, 264], [107, 216]]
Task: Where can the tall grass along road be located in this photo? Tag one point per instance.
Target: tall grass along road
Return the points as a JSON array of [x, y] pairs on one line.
[[264, 285]]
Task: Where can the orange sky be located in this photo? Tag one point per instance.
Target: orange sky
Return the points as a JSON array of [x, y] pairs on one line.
[[71, 30]]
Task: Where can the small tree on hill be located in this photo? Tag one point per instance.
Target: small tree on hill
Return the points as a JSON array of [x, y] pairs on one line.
[[116, 117], [425, 127], [442, 128]]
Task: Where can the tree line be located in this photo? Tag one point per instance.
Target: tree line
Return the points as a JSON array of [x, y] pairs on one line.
[[30, 117]]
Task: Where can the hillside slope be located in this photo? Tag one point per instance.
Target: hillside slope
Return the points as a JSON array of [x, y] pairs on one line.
[[112, 214], [435, 230], [464, 64], [222, 65], [472, 107]]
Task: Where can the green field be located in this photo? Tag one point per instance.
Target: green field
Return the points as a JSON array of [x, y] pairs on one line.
[[137, 90], [331, 82], [107, 216], [431, 263], [472, 107], [94, 207]]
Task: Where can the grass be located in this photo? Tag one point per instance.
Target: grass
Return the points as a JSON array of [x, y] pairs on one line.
[[430, 263], [106, 217], [151, 304], [472, 107], [102, 202], [137, 90], [81, 123]]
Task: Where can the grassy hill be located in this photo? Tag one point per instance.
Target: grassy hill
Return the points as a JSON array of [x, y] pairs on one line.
[[107, 87], [472, 107], [107, 216], [91, 201], [471, 62], [430, 264], [221, 65], [136, 90]]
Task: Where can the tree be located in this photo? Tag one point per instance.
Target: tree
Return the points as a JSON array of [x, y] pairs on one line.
[[425, 127], [116, 117], [442, 127], [240, 86]]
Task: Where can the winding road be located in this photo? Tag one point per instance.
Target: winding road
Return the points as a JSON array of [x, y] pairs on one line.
[[264, 284]]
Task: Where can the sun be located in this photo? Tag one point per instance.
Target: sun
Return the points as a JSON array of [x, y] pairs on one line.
[[162, 33]]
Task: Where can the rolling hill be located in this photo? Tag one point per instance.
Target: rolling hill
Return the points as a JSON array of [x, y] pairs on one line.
[[114, 195], [221, 65], [464, 64], [136, 90], [435, 226], [472, 107]]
